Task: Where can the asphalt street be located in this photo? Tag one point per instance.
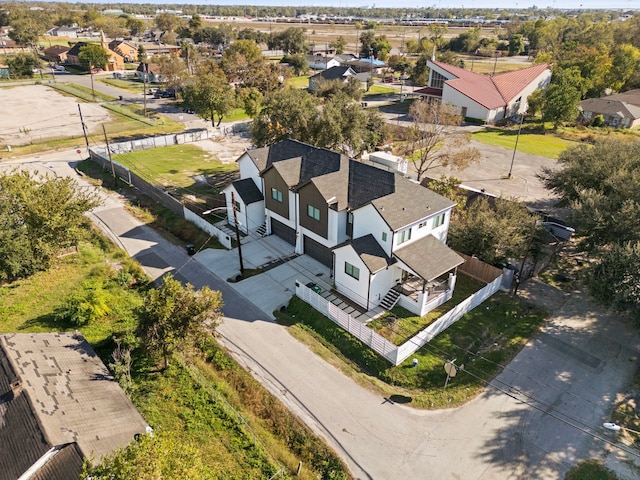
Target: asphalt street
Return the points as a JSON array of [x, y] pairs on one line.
[[540, 416]]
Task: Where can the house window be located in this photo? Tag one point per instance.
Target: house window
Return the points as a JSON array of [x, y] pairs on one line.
[[422, 224], [351, 270], [313, 212], [404, 236], [384, 236], [276, 195], [437, 80], [439, 220], [236, 205], [350, 218]]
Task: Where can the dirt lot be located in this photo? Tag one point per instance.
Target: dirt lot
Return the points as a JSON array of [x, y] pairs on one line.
[[35, 112]]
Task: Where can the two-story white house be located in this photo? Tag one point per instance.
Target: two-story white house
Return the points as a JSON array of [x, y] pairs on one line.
[[382, 235]]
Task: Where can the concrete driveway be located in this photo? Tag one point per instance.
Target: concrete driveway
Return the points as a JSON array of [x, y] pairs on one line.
[[272, 289]]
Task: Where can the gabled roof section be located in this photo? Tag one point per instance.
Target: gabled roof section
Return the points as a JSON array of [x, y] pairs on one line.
[[371, 253], [334, 73], [608, 106], [630, 96], [490, 91], [428, 257], [73, 395], [335, 187], [409, 203], [366, 183], [289, 170], [75, 49], [248, 191], [510, 84], [266, 156]]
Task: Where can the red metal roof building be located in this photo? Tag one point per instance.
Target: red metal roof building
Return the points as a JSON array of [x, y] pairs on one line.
[[484, 98]]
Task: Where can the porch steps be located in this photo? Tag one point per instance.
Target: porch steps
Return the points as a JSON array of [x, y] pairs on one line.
[[390, 299], [262, 231], [231, 232]]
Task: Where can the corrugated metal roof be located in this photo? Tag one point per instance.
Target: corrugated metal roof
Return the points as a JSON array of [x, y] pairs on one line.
[[492, 92]]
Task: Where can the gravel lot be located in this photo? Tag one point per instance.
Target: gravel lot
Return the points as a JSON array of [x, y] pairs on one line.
[[35, 112]]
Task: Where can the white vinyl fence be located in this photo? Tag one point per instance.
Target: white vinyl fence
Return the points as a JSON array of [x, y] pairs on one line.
[[381, 345]]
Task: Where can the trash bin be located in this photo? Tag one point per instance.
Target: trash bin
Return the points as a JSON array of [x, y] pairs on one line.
[[120, 97], [191, 250]]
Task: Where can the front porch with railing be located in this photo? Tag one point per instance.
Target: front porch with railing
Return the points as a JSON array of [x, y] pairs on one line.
[[420, 296]]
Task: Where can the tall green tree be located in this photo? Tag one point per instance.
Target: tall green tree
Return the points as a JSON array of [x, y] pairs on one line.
[[93, 56], [602, 185], [210, 95], [22, 65], [494, 232], [291, 40], [288, 113], [562, 97], [177, 317], [39, 216]]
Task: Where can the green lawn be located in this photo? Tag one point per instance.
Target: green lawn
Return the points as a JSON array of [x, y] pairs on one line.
[[483, 340], [173, 166], [298, 82], [236, 115], [380, 90], [408, 324], [128, 85], [548, 146]]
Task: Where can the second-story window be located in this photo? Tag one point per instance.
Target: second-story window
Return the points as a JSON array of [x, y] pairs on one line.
[[236, 205], [404, 235], [351, 270], [313, 212], [276, 195], [384, 236], [439, 220], [437, 80]]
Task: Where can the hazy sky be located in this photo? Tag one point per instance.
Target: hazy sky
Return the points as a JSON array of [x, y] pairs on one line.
[[501, 4]]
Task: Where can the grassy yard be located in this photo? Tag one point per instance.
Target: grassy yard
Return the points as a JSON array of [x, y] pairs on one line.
[[133, 86], [590, 470], [400, 325], [82, 92], [298, 82], [173, 166], [483, 340], [380, 90], [549, 145]]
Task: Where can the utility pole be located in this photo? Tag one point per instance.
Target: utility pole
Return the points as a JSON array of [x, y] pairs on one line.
[[113, 170], [513, 157], [84, 129], [145, 72], [235, 221]]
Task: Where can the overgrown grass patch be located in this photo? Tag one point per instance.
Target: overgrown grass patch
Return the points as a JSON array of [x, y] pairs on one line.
[[82, 92], [483, 340], [400, 325], [549, 145], [173, 166], [133, 86], [172, 226]]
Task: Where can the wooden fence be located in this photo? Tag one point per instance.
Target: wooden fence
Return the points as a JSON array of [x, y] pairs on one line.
[[479, 270]]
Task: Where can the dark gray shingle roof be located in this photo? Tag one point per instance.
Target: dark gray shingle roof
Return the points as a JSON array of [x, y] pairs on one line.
[[428, 257], [409, 203], [371, 253], [333, 73], [264, 157], [248, 191]]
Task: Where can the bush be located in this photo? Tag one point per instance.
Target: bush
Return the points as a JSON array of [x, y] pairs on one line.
[[88, 304], [597, 121], [590, 470]]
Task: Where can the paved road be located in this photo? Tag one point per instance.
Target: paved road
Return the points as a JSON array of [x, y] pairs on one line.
[[535, 420]]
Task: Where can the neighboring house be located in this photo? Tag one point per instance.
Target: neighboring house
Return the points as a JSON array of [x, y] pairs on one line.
[[321, 62], [365, 65], [4, 71], [69, 32], [152, 73], [59, 405], [344, 57], [382, 235], [484, 98], [618, 110], [115, 62], [56, 53], [322, 50], [333, 73], [128, 51]]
